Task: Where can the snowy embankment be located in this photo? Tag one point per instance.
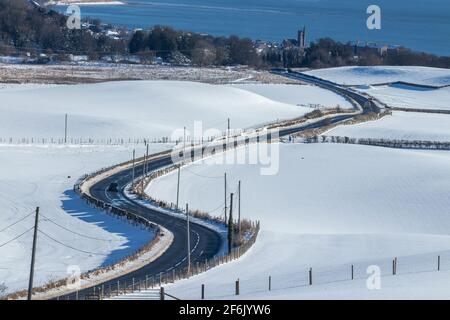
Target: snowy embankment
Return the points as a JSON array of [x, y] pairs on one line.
[[404, 96], [328, 207], [368, 80], [355, 76], [400, 126], [38, 174]]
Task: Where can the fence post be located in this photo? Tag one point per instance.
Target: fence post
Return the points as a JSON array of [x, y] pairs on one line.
[[161, 293], [310, 276], [439, 263], [353, 273], [203, 292], [270, 283], [118, 287], [132, 285], [237, 287]]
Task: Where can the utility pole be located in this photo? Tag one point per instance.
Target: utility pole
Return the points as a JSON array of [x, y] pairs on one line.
[[184, 144], [143, 172], [230, 226], [134, 160], [226, 198], [146, 163], [178, 186], [239, 209], [33, 255], [188, 240], [65, 128], [228, 130]]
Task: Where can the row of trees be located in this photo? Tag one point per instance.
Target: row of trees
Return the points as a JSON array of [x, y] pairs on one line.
[[200, 49], [24, 27]]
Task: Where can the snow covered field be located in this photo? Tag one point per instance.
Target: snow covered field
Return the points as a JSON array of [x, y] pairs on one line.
[[302, 95], [400, 126], [151, 109], [384, 74], [329, 206], [420, 286], [404, 96]]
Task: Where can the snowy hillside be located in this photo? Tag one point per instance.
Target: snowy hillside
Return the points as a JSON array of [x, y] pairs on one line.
[[400, 126], [404, 96], [151, 109], [384, 74], [309, 96], [44, 177], [329, 206]]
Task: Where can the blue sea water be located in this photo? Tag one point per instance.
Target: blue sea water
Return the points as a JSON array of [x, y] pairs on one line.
[[417, 24]]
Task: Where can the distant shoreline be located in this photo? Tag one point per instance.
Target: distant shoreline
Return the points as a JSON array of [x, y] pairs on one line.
[[84, 2]]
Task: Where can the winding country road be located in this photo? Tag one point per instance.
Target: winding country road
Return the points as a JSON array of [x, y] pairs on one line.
[[205, 243]]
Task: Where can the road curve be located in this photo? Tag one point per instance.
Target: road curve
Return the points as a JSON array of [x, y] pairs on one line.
[[205, 243]]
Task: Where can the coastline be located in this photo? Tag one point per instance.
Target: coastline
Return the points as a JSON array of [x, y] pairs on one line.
[[83, 2]]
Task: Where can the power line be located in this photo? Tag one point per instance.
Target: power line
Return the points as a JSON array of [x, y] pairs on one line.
[[220, 207], [15, 238], [13, 224], [74, 232], [70, 247], [203, 176]]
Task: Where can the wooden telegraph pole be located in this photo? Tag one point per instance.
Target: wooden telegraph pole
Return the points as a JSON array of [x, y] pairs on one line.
[[178, 186], [239, 209], [225, 198], [143, 172], [230, 225], [184, 144], [134, 160], [33, 255], [188, 240], [65, 128], [146, 162]]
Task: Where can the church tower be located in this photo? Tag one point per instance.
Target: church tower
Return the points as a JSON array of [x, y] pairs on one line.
[[302, 38]]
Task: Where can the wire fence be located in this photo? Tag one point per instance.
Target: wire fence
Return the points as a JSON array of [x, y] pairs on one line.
[[387, 267], [85, 141]]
